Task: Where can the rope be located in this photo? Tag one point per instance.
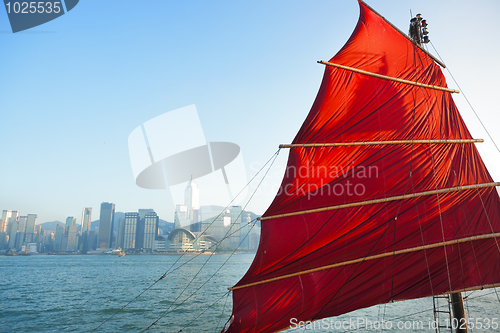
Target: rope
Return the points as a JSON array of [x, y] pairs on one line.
[[273, 158], [477, 116], [170, 270]]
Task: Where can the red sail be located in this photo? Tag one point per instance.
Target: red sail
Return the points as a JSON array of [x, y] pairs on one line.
[[321, 264]]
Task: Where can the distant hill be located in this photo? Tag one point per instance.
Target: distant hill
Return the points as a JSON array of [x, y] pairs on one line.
[[51, 225]]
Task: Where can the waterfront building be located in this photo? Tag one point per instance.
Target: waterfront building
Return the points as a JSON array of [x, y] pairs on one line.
[[130, 230], [72, 237], [31, 248], [86, 219], [10, 217], [3, 241], [2, 225], [159, 245], [139, 239], [106, 219], [58, 238], [30, 229], [69, 222], [120, 233], [21, 230], [13, 234], [150, 230]]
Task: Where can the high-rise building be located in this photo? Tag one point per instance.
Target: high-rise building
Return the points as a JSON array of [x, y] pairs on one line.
[[106, 218], [150, 230], [58, 238], [72, 237], [2, 225], [9, 216], [120, 233], [30, 228], [69, 222], [21, 231], [86, 219], [191, 198], [139, 239], [130, 233]]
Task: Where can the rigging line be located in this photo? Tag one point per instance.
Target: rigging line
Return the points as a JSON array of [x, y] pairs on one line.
[[415, 201], [484, 258], [170, 270], [477, 116], [207, 308], [478, 193], [440, 216], [470, 105], [199, 288], [213, 221], [194, 277], [223, 309]]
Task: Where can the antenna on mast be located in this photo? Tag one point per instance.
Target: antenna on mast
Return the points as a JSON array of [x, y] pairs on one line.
[[418, 30]]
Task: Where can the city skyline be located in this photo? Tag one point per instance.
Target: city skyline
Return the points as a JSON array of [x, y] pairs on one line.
[[102, 74]]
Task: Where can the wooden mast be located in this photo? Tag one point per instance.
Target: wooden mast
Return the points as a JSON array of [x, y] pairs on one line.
[[457, 304]]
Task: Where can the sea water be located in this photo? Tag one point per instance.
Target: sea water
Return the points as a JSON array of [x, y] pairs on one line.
[[102, 293]]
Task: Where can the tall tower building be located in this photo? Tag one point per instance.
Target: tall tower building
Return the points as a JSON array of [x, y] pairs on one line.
[[130, 232], [9, 216], [30, 228], [72, 237], [139, 240], [150, 230], [86, 219], [70, 221], [191, 198], [106, 219], [120, 234]]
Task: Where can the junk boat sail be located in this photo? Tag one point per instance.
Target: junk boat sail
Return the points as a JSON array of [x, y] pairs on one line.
[[384, 198]]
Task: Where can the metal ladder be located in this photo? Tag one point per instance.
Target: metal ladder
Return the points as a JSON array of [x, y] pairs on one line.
[[442, 313]]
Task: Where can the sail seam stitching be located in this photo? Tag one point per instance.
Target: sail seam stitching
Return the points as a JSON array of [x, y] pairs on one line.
[[375, 201], [377, 256]]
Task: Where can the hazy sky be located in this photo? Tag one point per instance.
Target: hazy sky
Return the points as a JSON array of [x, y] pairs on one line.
[[73, 89]]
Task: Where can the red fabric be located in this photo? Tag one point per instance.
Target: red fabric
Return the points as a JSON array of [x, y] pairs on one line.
[[355, 107]]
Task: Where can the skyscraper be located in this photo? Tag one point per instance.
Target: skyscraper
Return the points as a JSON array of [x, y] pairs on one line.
[[106, 219], [70, 221], [139, 239], [150, 230], [58, 238], [130, 230], [9, 216], [21, 231], [86, 219], [191, 198], [72, 237], [30, 228], [120, 234]]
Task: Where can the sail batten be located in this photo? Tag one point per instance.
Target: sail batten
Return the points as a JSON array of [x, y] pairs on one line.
[[376, 201], [385, 77], [389, 142], [378, 256]]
